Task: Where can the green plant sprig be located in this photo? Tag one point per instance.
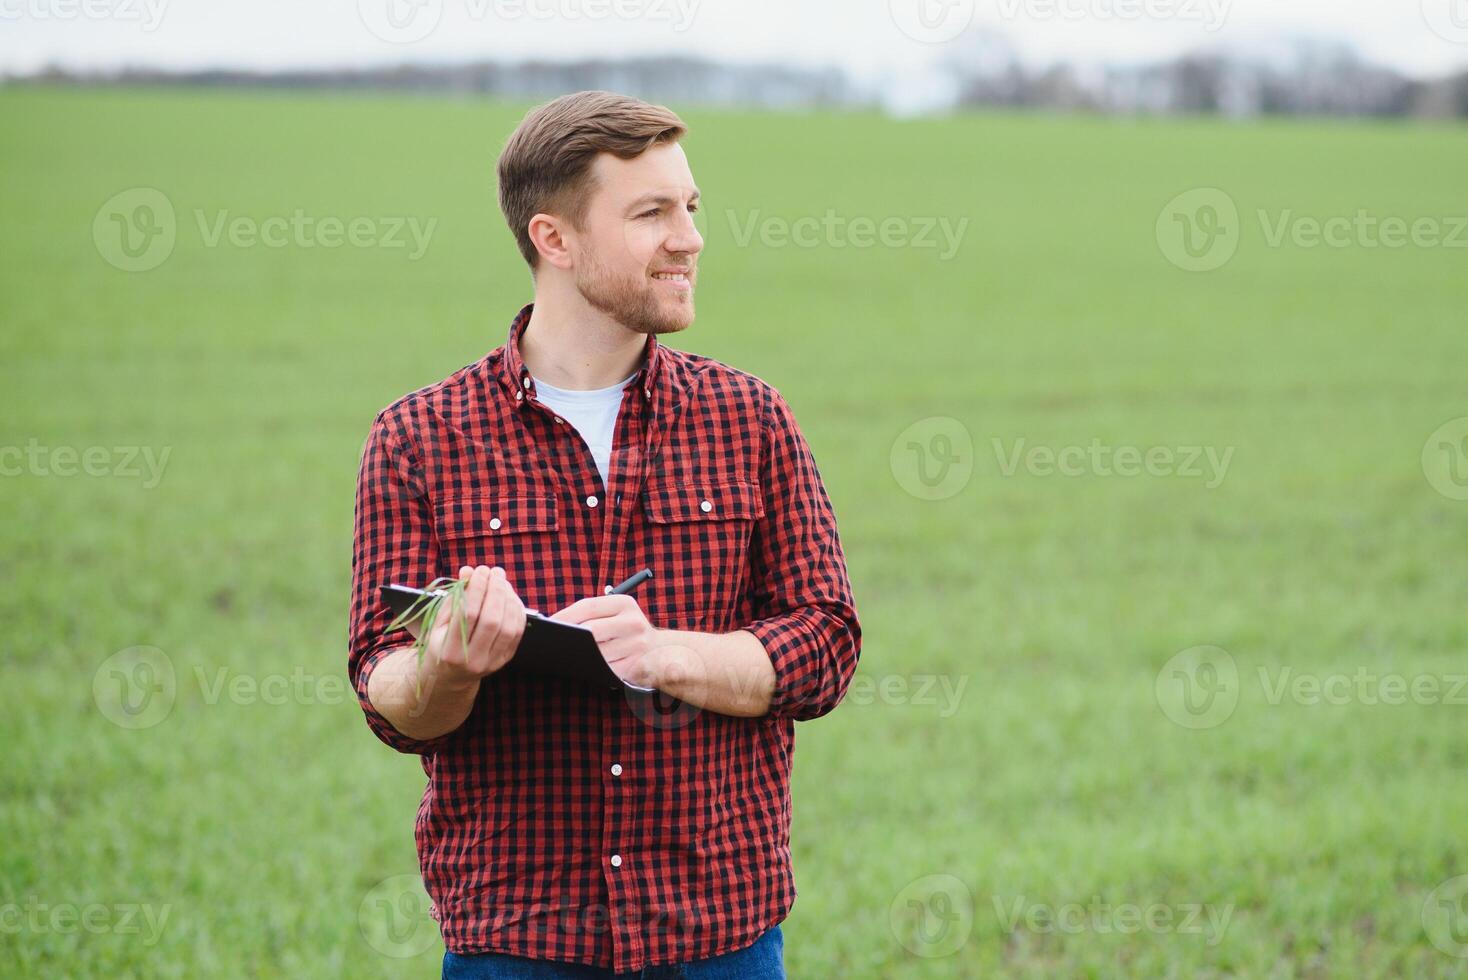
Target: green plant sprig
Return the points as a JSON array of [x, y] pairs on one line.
[[439, 591]]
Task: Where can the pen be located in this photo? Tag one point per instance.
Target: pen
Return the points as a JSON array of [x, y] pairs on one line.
[[627, 586]]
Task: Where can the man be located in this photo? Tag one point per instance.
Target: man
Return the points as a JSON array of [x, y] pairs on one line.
[[568, 830]]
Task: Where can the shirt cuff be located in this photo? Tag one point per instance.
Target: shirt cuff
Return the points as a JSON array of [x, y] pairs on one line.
[[814, 653], [376, 720]]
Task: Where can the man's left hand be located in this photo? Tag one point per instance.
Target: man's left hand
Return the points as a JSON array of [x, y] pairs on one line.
[[637, 651]]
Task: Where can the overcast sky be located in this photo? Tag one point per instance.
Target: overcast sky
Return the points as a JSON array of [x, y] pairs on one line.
[[868, 37]]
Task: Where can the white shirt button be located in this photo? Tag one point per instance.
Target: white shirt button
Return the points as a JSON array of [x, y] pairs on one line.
[[519, 395], [616, 860], [591, 501], [526, 381], [705, 506], [494, 523], [616, 769], [558, 420]]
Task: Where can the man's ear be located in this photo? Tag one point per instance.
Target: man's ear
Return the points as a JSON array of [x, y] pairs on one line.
[[546, 234]]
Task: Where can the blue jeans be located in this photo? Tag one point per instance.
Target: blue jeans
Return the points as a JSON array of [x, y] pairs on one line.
[[764, 960]]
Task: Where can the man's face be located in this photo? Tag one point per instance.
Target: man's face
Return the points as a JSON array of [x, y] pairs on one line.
[[637, 251]]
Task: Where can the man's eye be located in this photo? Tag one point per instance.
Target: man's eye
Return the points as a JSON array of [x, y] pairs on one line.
[[693, 209], [649, 214]]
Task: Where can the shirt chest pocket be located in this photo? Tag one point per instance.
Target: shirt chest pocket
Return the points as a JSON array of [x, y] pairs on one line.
[[697, 544], [515, 530]]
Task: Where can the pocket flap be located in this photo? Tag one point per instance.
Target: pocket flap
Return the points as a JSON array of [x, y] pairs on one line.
[[491, 514], [674, 503]]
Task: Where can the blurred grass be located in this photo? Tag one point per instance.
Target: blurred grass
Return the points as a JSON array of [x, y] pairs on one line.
[[1056, 600]]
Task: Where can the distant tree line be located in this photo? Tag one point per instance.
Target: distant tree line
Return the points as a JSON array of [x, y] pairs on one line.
[[1299, 79]]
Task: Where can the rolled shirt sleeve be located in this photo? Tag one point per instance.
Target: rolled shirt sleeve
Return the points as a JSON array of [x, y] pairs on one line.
[[392, 543], [801, 596]]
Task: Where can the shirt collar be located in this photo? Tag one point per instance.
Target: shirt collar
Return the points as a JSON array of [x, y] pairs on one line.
[[520, 386]]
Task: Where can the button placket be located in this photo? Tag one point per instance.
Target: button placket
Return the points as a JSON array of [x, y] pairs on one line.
[[621, 885]]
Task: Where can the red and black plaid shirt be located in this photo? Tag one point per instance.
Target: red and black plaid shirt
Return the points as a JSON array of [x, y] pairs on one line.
[[574, 823]]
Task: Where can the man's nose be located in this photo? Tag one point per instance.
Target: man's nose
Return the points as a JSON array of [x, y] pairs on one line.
[[685, 237]]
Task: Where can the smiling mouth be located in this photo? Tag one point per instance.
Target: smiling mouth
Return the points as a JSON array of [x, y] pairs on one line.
[[671, 276]]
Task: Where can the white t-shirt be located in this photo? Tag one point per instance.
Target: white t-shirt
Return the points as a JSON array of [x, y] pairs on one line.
[[593, 413]]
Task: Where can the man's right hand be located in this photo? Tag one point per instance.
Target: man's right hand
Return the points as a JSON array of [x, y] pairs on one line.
[[494, 620], [436, 700]]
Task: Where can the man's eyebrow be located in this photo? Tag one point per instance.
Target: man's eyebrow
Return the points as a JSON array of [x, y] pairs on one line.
[[658, 197]]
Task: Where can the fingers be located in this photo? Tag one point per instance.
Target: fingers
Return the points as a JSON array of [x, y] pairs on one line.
[[457, 618], [511, 618], [494, 618], [515, 630], [489, 620], [508, 614], [596, 607]]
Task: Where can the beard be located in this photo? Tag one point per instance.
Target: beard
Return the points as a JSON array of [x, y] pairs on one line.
[[635, 300]]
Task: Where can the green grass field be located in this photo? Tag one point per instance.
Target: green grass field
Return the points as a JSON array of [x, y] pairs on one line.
[[251, 817]]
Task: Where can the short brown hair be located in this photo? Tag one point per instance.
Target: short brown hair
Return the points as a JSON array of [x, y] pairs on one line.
[[547, 159]]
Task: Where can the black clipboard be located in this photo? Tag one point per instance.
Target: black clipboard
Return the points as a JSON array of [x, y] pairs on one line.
[[549, 646]]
